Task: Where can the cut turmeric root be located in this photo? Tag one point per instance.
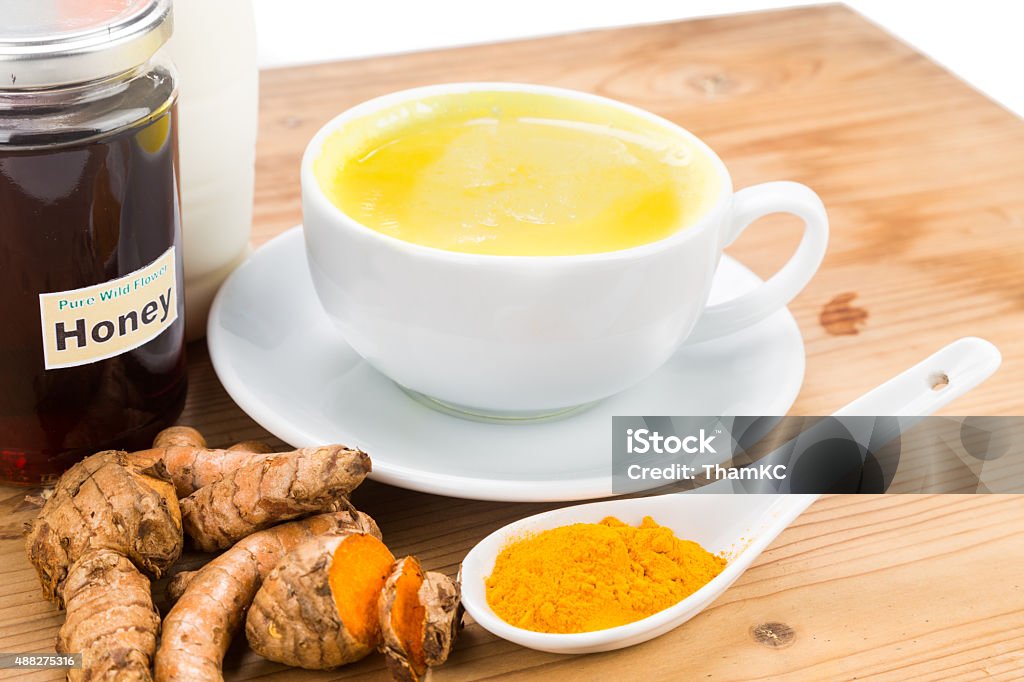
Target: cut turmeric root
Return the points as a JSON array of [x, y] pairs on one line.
[[318, 608], [337, 598], [198, 629], [420, 615]]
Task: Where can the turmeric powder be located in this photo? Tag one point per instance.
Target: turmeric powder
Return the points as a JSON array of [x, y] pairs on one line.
[[591, 576]]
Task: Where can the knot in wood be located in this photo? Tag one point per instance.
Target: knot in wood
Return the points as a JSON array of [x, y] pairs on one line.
[[773, 635]]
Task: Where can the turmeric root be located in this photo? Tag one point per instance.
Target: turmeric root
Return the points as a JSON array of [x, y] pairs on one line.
[[191, 467], [177, 585], [104, 523], [198, 629], [257, 447], [420, 616], [180, 452], [318, 608], [338, 597], [110, 619], [104, 502], [264, 492], [184, 436]]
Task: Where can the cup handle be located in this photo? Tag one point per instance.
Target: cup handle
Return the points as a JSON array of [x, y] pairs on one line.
[[752, 203]]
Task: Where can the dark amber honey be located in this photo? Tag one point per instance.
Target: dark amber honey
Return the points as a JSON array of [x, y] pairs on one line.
[[83, 204]]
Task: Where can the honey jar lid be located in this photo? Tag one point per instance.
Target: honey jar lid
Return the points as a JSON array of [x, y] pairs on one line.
[[53, 43]]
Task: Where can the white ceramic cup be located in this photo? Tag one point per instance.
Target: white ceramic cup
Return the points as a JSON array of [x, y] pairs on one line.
[[521, 336]]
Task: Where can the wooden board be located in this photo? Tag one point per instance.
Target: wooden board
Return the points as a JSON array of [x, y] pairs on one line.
[[922, 177]]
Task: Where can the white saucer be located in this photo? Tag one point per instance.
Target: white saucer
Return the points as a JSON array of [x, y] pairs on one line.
[[287, 366]]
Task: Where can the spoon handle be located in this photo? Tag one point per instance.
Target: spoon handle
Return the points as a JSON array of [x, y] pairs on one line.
[[916, 393], [932, 383]]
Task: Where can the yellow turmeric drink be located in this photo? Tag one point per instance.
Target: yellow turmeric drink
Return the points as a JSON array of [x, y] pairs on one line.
[[593, 576], [513, 173]]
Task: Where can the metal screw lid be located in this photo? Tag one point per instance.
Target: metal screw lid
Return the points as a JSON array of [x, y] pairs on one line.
[[50, 43]]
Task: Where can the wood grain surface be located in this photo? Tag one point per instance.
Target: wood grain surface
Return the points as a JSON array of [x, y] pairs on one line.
[[922, 178]]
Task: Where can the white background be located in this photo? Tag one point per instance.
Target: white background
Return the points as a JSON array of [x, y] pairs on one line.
[[982, 41]]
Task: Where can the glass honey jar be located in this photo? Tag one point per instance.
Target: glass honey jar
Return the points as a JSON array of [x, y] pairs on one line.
[[92, 353]]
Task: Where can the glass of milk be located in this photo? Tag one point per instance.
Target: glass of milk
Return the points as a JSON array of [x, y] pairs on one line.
[[214, 49]]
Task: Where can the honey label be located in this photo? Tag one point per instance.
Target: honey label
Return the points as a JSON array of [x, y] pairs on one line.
[[94, 323]]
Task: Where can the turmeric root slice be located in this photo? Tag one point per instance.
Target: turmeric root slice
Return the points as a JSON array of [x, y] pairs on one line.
[[110, 620], [318, 608], [420, 616], [265, 492], [199, 628]]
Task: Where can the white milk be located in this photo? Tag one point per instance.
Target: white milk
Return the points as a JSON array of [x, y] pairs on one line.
[[214, 49]]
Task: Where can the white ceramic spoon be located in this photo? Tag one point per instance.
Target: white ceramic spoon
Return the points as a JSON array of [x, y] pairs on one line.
[[742, 526]]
